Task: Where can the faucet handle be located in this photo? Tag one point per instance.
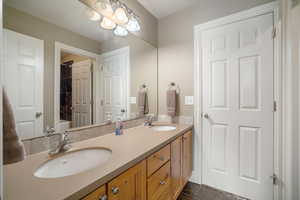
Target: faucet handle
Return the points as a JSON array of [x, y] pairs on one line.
[[50, 131], [66, 136]]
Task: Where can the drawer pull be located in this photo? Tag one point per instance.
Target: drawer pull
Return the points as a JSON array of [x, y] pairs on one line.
[[115, 190], [104, 197], [162, 182], [161, 158]]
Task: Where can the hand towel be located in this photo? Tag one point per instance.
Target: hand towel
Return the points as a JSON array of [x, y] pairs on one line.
[[143, 106], [13, 148], [171, 102]]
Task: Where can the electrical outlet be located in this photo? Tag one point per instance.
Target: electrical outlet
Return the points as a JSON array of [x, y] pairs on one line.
[[189, 100], [133, 100]]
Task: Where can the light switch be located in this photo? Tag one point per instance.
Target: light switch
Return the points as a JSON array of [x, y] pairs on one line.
[[133, 100], [189, 100]]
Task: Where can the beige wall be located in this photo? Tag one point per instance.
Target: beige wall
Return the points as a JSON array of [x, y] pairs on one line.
[[175, 41], [32, 26], [149, 24], [143, 67], [291, 104]]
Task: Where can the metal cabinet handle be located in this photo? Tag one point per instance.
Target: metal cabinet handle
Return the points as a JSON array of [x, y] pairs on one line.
[[163, 182], [104, 197], [115, 190]]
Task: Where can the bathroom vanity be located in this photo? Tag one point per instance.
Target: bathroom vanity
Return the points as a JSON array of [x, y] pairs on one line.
[[145, 164], [161, 176]]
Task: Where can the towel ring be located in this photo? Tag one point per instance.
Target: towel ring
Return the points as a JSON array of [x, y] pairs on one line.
[[144, 86], [172, 85]]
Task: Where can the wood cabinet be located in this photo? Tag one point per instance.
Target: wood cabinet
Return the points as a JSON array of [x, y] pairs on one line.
[[176, 169], [99, 194], [158, 159], [131, 185], [187, 156], [159, 183], [161, 176]]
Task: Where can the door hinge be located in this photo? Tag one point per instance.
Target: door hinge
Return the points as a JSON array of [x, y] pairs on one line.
[[274, 177], [274, 33], [275, 106], [102, 68]]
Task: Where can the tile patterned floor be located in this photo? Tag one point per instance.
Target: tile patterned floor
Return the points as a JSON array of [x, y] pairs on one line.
[[194, 191]]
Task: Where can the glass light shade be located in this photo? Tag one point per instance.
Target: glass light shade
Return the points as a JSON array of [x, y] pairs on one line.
[[120, 16], [107, 23], [133, 25], [120, 31], [105, 8], [93, 15]]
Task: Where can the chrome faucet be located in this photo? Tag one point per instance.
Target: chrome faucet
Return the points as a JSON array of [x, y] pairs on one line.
[[63, 143], [149, 121]]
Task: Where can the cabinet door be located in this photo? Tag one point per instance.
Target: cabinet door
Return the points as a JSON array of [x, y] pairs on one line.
[[176, 172], [99, 194], [187, 156], [159, 184], [131, 185]]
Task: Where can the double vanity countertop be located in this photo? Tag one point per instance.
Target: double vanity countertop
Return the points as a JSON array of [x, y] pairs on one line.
[[127, 150]]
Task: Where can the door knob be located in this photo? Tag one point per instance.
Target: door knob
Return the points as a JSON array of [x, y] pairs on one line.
[[123, 110], [205, 115], [38, 114]]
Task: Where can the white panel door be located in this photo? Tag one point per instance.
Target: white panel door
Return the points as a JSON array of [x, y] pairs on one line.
[[238, 107], [81, 93], [115, 67], [23, 80]]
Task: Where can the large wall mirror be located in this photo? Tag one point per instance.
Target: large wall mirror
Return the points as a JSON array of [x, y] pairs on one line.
[[70, 75]]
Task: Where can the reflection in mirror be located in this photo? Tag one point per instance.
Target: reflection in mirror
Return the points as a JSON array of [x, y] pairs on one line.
[[63, 70], [75, 90]]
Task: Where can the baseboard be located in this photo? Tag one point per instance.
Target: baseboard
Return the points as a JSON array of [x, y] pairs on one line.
[[195, 178]]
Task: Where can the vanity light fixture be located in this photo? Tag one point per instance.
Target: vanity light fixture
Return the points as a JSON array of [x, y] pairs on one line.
[[107, 24], [120, 31], [120, 16], [93, 15], [115, 16]]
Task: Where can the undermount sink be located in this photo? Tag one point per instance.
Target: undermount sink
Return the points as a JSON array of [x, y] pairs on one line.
[[163, 128], [73, 162]]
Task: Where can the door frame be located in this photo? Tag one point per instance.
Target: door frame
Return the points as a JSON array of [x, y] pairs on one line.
[[57, 61], [272, 7], [123, 50]]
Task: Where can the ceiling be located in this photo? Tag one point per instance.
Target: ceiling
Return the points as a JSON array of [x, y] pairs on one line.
[[163, 8], [69, 14]]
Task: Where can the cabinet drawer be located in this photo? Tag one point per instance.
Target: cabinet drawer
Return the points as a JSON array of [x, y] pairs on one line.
[[130, 185], [99, 194], [158, 159], [159, 184]]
